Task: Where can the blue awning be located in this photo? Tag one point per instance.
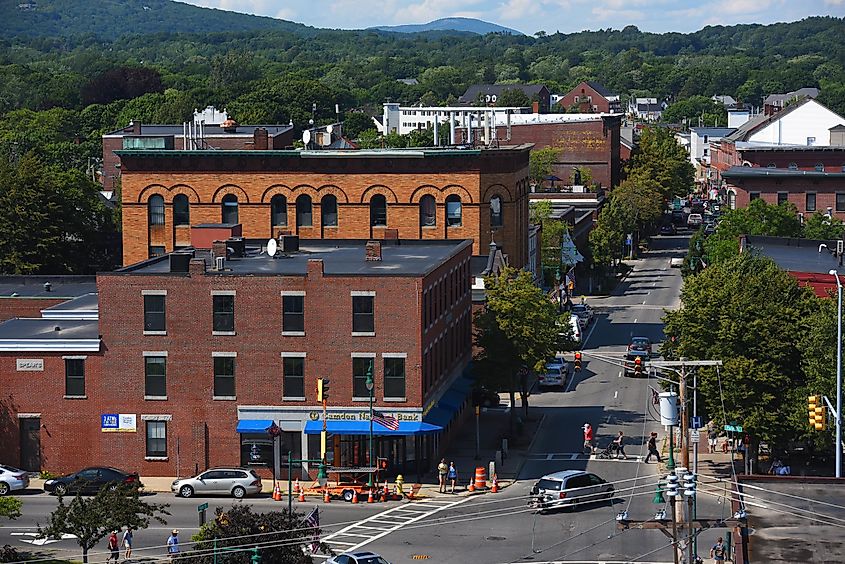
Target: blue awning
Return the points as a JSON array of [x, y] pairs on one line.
[[439, 416], [254, 425], [462, 385], [363, 428], [452, 400]]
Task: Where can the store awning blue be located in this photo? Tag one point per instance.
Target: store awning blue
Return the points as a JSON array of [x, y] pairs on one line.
[[439, 416], [254, 425], [462, 385], [363, 428], [452, 400]]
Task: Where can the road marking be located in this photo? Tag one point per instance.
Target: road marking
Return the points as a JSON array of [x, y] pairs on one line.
[[616, 394], [635, 319], [643, 303], [620, 374], [549, 457], [574, 456], [35, 540], [391, 520]]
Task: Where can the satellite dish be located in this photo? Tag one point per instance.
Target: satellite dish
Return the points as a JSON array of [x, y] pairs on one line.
[[306, 136], [272, 247], [329, 128]]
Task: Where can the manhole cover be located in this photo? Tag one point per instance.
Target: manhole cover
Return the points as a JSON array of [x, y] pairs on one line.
[[496, 538], [420, 557]]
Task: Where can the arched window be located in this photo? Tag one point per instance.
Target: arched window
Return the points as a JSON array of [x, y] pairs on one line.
[[181, 210], [378, 211], [303, 211], [453, 211], [819, 167], [156, 209], [278, 211], [230, 208], [793, 166], [328, 211], [495, 211], [428, 211]]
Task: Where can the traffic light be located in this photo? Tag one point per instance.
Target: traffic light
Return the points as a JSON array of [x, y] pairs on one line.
[[816, 412], [322, 389], [325, 389], [577, 361], [638, 366]]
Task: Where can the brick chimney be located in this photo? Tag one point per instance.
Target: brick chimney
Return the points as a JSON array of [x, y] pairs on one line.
[[218, 249], [314, 268], [196, 267], [260, 141], [372, 251], [136, 127], [535, 107]]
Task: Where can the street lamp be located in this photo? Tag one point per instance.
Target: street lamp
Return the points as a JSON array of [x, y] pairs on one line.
[[838, 447], [370, 386]]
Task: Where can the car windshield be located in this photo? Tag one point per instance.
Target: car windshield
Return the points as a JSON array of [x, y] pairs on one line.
[[371, 560], [639, 342], [10, 468], [546, 484]]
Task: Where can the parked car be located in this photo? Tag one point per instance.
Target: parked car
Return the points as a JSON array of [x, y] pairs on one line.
[[676, 262], [90, 480], [570, 488], [584, 313], [694, 220], [668, 229], [709, 228], [640, 344], [363, 557], [12, 479], [631, 359], [485, 397], [236, 482], [575, 324], [554, 374]]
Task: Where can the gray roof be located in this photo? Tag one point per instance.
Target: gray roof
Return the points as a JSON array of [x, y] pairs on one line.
[[85, 304], [600, 88], [408, 258], [797, 255], [759, 172], [773, 99], [473, 91], [725, 100], [18, 328], [60, 286], [208, 130], [649, 107], [713, 131]]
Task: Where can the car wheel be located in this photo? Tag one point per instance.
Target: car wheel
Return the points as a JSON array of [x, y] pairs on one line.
[[238, 492], [348, 495], [186, 491], [60, 489], [4, 488]]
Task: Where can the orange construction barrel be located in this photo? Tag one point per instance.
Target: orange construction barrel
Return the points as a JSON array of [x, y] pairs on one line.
[[480, 478]]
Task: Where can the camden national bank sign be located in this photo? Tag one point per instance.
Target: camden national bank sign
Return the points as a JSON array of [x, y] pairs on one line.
[[413, 416]]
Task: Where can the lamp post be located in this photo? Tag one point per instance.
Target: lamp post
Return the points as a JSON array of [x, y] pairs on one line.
[[370, 386], [838, 414]]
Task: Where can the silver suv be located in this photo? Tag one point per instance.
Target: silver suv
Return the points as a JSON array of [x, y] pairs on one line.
[[569, 488], [236, 482]]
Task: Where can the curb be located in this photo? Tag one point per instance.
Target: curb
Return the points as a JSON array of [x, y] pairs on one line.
[[530, 448]]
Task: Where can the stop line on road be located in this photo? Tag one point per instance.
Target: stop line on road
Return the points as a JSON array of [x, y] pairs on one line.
[[558, 456], [374, 527]]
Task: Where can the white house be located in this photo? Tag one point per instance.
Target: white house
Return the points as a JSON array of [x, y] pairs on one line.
[[405, 119], [646, 109], [806, 122]]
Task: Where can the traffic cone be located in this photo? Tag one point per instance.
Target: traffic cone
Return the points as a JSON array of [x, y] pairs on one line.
[[471, 486], [277, 493], [386, 496], [326, 497], [354, 496], [296, 488], [494, 488], [301, 495], [370, 496]]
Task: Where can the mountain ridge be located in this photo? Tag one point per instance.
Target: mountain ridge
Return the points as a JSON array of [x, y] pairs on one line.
[[470, 25]]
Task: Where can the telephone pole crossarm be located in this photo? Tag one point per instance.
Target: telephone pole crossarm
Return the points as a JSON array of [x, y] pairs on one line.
[[665, 525]]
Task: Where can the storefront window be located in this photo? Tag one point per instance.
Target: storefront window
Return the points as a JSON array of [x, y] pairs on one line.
[[256, 449]]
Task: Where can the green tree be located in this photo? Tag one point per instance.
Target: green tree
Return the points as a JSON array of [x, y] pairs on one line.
[[659, 157], [818, 362], [691, 109], [552, 233], [748, 313], [10, 507], [607, 239], [369, 139], [90, 519], [541, 164], [821, 226], [513, 97], [758, 218], [356, 122], [281, 537], [516, 331]]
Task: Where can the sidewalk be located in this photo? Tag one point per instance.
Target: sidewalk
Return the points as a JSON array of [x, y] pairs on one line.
[[717, 464]]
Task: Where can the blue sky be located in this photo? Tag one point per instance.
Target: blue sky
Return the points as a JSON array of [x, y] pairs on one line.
[[530, 16]]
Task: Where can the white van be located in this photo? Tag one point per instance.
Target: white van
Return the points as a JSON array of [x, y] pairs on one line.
[[554, 374], [575, 323]]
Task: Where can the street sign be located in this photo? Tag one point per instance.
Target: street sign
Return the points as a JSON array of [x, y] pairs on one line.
[[695, 435], [202, 507], [696, 422], [734, 428]]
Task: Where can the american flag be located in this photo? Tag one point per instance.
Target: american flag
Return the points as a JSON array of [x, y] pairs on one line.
[[386, 420], [313, 521]]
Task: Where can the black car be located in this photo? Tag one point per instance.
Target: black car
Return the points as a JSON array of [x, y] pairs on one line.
[[485, 397], [668, 229], [90, 480]]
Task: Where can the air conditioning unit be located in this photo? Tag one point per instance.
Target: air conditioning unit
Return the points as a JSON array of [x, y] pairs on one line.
[[219, 263]]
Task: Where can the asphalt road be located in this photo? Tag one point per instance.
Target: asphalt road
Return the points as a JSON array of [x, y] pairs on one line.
[[500, 528]]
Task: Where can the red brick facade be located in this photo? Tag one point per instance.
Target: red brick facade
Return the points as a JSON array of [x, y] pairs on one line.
[[586, 100], [795, 189], [353, 179]]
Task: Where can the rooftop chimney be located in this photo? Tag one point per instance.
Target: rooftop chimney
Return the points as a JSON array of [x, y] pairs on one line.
[[196, 267], [535, 107], [260, 141], [136, 127], [372, 251], [219, 249]]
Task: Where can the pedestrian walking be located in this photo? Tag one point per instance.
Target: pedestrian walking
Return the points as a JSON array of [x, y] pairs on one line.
[[442, 470], [619, 443], [652, 448], [588, 438], [127, 543], [712, 437], [173, 544], [114, 547], [717, 553], [452, 475]]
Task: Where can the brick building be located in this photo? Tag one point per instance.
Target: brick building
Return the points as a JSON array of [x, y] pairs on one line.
[[31, 296], [227, 135], [590, 98], [427, 194], [193, 360]]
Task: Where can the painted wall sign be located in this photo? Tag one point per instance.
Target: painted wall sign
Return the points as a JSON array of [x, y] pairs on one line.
[[118, 423], [30, 365]]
